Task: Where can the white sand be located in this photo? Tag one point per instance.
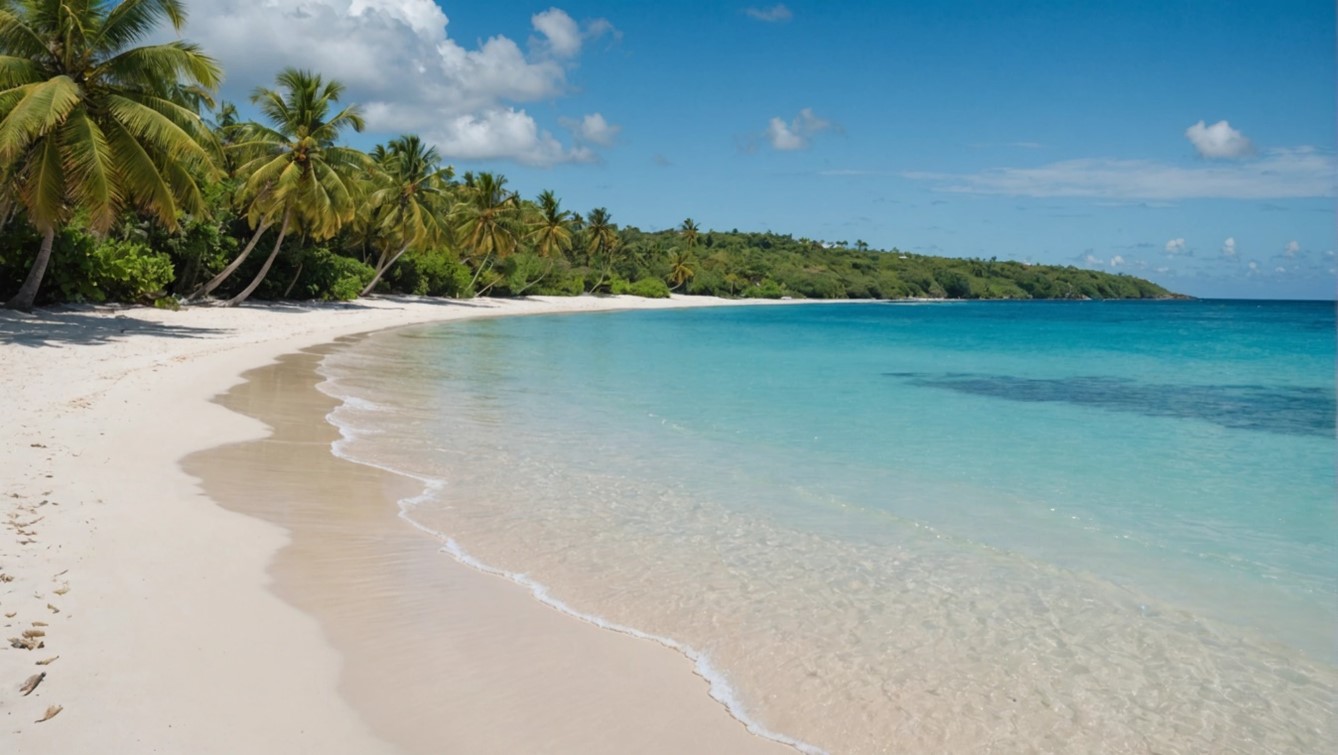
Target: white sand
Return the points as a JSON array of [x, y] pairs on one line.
[[153, 599]]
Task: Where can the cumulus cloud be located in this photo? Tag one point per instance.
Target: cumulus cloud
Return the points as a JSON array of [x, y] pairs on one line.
[[1292, 249], [1277, 174], [562, 33], [1116, 261], [798, 133], [1218, 141], [1093, 261], [1175, 246], [775, 14], [593, 129], [401, 65], [1229, 247]]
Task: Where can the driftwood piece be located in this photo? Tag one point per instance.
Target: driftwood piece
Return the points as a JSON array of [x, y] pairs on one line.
[[50, 713]]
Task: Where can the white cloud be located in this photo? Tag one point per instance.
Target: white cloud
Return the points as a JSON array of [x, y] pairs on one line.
[[772, 15], [798, 133], [1292, 249], [1229, 247], [504, 134], [1218, 141], [1278, 174], [563, 34], [593, 129], [1093, 260], [1116, 261], [1175, 246], [399, 62]]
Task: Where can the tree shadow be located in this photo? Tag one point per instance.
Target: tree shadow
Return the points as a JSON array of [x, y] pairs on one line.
[[73, 328]]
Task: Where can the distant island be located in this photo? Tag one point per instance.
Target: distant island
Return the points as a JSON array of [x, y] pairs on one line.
[[125, 181]]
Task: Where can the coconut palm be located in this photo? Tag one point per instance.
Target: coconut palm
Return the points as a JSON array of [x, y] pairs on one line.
[[550, 229], [688, 230], [91, 124], [485, 221], [407, 209], [601, 240], [682, 267], [293, 172]]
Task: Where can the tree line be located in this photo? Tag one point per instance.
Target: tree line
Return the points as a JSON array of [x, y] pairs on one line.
[[121, 179]]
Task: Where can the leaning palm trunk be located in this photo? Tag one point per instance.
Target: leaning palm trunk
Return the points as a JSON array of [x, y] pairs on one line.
[[381, 269], [264, 269], [479, 272], [542, 277], [214, 282], [27, 294]]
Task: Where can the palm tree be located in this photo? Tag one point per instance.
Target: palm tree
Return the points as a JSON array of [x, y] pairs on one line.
[[551, 231], [294, 171], [486, 221], [681, 268], [688, 230], [551, 228], [601, 240], [90, 124], [408, 208]]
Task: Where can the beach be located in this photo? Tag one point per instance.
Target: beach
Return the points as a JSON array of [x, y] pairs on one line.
[[167, 622]]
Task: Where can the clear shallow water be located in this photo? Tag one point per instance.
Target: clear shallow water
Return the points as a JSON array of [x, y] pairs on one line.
[[1008, 526]]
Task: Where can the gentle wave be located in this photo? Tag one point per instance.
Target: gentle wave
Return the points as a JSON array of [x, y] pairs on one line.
[[718, 686]]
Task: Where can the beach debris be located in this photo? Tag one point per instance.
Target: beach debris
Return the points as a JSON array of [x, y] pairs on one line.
[[36, 445], [11, 614], [31, 633], [50, 713], [53, 608], [31, 683], [6, 578], [26, 643], [39, 623], [59, 573], [61, 590], [48, 661]]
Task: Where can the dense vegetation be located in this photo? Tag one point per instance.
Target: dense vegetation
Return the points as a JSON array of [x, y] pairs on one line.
[[124, 181]]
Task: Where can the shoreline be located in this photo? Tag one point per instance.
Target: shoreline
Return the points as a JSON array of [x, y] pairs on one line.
[[157, 603]]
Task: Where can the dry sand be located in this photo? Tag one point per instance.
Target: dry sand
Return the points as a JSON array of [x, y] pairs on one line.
[[178, 625]]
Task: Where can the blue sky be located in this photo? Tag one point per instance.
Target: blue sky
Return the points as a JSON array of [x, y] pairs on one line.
[[1187, 142]]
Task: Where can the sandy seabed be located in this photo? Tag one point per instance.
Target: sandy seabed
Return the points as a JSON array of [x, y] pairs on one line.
[[185, 567]]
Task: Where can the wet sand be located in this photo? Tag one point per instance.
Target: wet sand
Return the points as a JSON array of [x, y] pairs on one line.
[[438, 656]]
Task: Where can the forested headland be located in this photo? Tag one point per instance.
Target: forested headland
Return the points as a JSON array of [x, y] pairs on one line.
[[124, 180]]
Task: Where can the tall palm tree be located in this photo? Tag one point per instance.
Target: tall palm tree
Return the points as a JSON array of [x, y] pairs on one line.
[[293, 172], [601, 239], [486, 221], [91, 124], [550, 233], [688, 230], [408, 208], [550, 230]]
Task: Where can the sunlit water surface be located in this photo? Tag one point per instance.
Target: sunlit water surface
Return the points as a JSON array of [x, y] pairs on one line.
[[1079, 527]]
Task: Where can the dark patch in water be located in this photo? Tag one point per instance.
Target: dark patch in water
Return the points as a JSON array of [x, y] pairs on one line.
[[1276, 409]]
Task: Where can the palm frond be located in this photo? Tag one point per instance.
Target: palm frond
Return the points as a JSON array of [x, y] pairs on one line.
[[44, 107], [90, 168]]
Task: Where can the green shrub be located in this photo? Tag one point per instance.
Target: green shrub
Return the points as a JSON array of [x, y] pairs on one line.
[[87, 269], [648, 288], [327, 276]]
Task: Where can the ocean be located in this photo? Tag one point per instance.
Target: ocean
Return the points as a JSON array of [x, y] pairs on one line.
[[905, 527]]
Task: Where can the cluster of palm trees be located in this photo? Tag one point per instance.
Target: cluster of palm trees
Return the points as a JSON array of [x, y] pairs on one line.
[[95, 128]]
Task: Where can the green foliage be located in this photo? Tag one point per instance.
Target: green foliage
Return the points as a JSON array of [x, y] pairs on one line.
[[85, 269], [433, 273], [648, 288], [326, 276]]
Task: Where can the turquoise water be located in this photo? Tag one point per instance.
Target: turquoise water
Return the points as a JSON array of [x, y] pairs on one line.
[[1104, 526]]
